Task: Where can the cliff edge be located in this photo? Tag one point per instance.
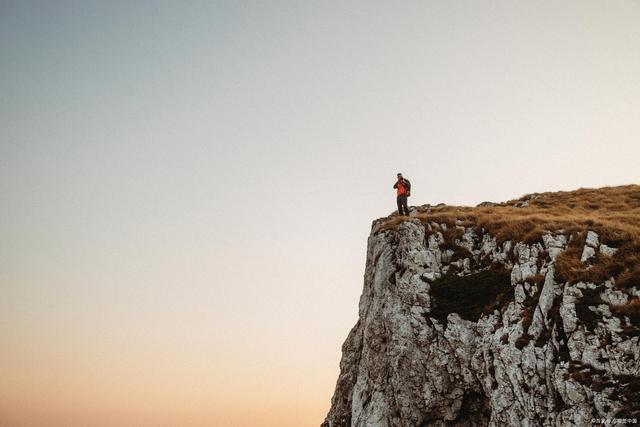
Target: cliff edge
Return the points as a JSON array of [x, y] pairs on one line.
[[519, 313]]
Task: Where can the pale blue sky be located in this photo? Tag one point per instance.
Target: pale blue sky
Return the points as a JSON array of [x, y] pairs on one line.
[[193, 182]]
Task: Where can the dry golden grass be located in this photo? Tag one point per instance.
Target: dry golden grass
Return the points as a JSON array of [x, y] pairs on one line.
[[612, 212], [631, 310]]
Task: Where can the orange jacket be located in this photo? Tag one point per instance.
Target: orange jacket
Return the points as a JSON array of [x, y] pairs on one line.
[[402, 188]]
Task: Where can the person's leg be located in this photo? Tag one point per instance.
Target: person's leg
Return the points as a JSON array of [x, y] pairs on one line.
[[402, 205]]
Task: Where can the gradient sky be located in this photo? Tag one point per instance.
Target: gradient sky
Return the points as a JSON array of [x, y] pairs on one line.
[[186, 188]]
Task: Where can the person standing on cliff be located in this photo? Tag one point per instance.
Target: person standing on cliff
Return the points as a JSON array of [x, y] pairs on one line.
[[403, 187]]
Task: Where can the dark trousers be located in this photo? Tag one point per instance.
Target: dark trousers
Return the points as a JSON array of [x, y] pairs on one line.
[[403, 209]]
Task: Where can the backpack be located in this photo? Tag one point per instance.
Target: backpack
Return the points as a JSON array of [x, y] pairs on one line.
[[408, 184]]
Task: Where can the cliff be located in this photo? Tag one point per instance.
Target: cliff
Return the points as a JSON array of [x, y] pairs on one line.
[[519, 313]]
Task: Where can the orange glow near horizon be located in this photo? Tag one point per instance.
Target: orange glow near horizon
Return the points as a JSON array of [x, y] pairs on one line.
[[57, 381], [57, 388], [74, 413]]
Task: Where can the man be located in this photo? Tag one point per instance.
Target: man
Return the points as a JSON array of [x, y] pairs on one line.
[[403, 187]]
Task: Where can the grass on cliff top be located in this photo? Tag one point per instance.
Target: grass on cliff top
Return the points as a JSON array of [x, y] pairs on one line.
[[612, 212]]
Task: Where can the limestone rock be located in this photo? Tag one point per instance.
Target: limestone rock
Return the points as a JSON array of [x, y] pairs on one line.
[[587, 253], [608, 251], [533, 354], [592, 239], [554, 244]]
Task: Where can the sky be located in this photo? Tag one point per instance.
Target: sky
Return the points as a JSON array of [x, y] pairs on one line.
[[186, 188]]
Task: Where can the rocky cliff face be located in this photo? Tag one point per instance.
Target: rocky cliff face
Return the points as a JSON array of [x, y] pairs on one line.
[[458, 328]]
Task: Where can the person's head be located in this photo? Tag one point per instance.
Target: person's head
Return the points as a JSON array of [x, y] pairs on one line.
[[399, 176]]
